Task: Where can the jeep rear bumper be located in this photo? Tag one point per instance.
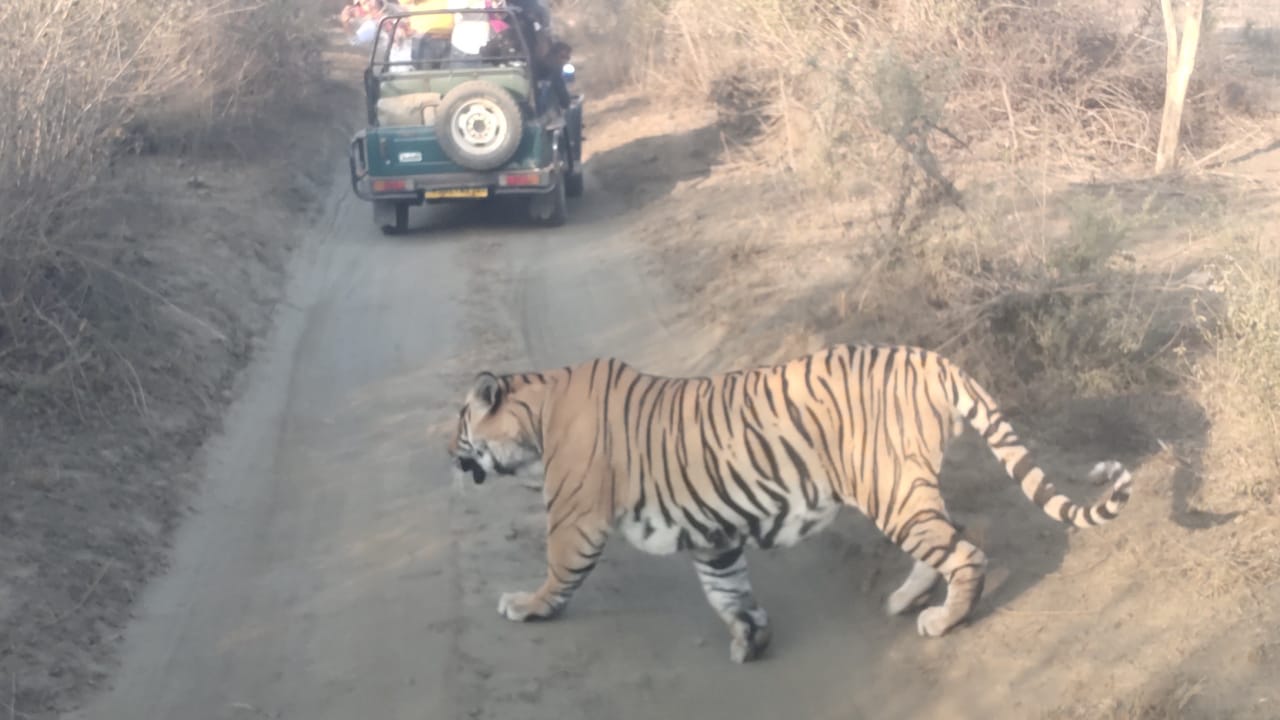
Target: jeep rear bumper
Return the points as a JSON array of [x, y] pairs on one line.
[[439, 187]]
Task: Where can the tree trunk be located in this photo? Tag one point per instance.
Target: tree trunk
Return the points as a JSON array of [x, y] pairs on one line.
[[1181, 60]]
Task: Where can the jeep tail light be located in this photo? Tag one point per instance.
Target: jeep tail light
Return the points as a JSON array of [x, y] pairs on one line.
[[384, 186], [521, 179]]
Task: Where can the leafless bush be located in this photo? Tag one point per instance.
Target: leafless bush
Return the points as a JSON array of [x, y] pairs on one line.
[[1042, 308], [616, 41], [898, 90], [86, 80], [1240, 380], [742, 105], [1079, 81]]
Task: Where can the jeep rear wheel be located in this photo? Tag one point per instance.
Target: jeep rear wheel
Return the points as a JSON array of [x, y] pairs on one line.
[[479, 125], [390, 216], [574, 183], [551, 209]]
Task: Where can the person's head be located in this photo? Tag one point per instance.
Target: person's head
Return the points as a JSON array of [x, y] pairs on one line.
[[402, 33], [561, 52]]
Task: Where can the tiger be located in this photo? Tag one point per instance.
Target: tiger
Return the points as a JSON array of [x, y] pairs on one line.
[[761, 457]]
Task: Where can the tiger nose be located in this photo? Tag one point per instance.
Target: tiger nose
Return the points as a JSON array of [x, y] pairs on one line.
[[476, 469]]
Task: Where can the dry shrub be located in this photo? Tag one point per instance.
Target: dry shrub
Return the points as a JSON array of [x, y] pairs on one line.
[[1080, 81], [613, 42], [1044, 306], [1240, 379], [875, 101], [86, 80], [742, 105]]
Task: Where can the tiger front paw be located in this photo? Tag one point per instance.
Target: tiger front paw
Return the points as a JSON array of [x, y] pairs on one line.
[[523, 606], [517, 606]]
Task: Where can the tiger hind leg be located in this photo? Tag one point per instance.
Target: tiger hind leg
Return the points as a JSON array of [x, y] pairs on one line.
[[932, 539], [728, 589]]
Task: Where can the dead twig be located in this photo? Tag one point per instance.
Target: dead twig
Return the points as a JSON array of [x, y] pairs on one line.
[[84, 598], [156, 295]]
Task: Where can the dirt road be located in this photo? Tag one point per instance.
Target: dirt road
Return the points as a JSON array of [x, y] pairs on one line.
[[332, 570]]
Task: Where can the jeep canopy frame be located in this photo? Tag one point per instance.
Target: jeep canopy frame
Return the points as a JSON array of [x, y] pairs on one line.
[[514, 70], [510, 16]]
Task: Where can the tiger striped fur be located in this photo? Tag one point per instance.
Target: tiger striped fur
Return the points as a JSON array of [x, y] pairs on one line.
[[761, 457]]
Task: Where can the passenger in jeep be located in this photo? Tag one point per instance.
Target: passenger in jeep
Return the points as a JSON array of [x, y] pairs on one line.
[[532, 20], [550, 68], [351, 16], [400, 54], [533, 13], [471, 31], [360, 20], [433, 32]]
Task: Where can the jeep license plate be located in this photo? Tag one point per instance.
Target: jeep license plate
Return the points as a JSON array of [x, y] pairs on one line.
[[451, 193]]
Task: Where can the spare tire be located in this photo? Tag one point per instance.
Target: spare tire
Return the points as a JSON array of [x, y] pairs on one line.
[[479, 125]]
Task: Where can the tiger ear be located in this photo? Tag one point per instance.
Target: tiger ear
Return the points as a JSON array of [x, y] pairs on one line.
[[486, 394]]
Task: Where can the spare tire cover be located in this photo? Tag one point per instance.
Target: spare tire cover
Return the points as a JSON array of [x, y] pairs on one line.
[[479, 125]]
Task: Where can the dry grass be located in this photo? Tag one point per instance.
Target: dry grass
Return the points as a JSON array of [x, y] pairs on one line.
[[930, 172], [1239, 380], [933, 176], [131, 281], [921, 115], [84, 82], [925, 118], [615, 42], [1051, 303], [850, 90]]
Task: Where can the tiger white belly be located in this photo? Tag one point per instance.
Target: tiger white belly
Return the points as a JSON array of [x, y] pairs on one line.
[[650, 532], [803, 522]]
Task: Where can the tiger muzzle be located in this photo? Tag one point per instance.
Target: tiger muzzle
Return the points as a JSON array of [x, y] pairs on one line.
[[467, 464]]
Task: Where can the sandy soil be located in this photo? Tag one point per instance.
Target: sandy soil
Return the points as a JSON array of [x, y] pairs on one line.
[[330, 569], [1170, 613], [94, 482]]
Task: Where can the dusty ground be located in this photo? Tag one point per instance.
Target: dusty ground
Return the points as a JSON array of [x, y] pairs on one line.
[[331, 570], [1149, 617], [1170, 613], [92, 490]]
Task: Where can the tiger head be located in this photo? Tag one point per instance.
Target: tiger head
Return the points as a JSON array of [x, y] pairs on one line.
[[495, 432]]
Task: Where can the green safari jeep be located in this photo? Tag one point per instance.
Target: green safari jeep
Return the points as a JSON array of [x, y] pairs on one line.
[[445, 126]]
